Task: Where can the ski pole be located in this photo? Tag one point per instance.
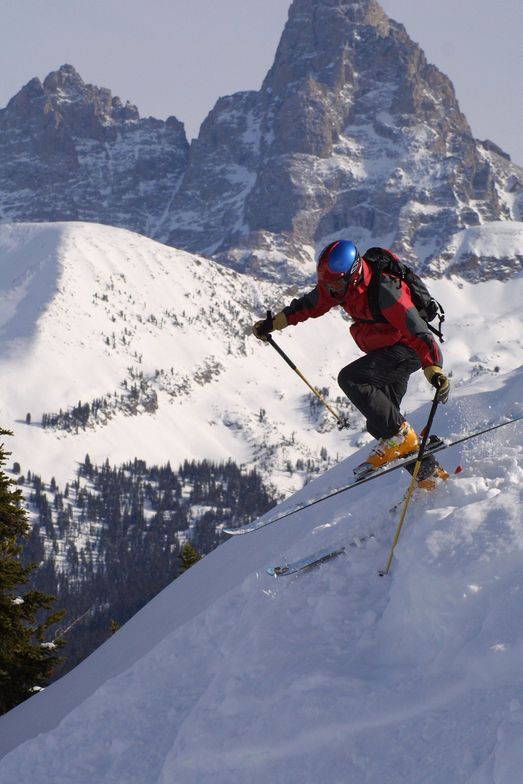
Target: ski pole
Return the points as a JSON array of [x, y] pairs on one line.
[[417, 466], [343, 422]]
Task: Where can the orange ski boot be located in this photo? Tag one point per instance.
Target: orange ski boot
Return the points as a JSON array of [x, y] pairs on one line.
[[431, 481], [403, 443]]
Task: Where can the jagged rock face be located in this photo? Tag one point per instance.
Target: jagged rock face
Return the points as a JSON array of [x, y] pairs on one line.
[[71, 151], [353, 133]]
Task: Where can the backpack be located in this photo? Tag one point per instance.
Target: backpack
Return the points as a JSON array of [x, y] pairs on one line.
[[382, 260]]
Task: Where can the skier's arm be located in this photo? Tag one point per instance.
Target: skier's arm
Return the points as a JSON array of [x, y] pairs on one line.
[[310, 305], [397, 307]]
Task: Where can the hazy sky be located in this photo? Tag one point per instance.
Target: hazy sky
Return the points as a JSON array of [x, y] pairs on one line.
[[179, 56]]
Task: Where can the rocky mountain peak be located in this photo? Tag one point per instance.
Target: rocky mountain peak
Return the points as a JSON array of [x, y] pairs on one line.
[[350, 62], [66, 88], [353, 133], [85, 108], [317, 39], [82, 154], [65, 78]]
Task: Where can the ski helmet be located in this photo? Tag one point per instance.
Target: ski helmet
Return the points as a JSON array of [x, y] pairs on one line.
[[337, 263]]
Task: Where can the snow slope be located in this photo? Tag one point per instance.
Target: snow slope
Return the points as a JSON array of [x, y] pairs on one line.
[[229, 675], [85, 308], [334, 675]]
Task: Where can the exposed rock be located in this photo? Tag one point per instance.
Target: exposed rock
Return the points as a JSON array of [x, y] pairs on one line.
[[71, 151], [352, 133]]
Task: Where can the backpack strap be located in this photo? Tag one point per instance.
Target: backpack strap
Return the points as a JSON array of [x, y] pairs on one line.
[[379, 262], [440, 314], [382, 261]]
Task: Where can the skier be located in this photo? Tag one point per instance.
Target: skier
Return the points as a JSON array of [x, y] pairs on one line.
[[394, 349]]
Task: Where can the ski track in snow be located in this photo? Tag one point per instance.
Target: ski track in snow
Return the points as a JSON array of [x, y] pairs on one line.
[[333, 675]]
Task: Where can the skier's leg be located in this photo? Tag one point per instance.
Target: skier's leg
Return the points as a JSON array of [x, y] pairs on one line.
[[376, 384]]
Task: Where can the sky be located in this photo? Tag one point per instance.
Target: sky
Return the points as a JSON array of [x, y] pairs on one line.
[[177, 57]]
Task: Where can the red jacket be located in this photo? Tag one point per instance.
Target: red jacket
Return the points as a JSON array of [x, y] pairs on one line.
[[403, 322]]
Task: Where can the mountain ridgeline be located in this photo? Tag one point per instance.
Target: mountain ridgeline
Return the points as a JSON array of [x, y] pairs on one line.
[[352, 132]]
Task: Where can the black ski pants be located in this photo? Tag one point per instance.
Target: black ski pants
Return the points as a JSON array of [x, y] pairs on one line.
[[376, 384]]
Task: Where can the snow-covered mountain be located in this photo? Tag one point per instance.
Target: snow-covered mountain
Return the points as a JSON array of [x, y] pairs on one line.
[[73, 151], [116, 346], [335, 675], [88, 311], [364, 673], [353, 132], [120, 348]]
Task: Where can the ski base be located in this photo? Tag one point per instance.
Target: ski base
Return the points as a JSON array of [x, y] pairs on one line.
[[304, 563]]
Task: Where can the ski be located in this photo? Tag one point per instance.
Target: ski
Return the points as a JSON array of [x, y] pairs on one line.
[[261, 523], [435, 446], [304, 563]]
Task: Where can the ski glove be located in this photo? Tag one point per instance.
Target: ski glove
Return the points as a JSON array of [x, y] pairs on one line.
[[439, 380], [262, 328]]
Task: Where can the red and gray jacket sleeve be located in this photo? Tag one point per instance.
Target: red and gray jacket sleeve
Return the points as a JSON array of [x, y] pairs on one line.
[[398, 309], [310, 305]]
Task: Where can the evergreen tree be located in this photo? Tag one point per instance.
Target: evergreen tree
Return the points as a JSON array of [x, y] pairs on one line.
[[188, 557], [26, 660]]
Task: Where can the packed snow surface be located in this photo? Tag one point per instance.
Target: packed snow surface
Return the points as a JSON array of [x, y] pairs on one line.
[[333, 675]]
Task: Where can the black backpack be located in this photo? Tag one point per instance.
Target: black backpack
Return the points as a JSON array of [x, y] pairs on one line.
[[382, 260]]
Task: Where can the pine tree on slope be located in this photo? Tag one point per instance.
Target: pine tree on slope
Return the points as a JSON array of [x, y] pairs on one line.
[[26, 661], [188, 557]]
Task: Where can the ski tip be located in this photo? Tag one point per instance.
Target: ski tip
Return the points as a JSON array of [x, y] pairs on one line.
[[277, 571], [458, 469], [238, 531]]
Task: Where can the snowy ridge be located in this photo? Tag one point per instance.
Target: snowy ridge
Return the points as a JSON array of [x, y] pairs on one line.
[[87, 311], [334, 675]]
